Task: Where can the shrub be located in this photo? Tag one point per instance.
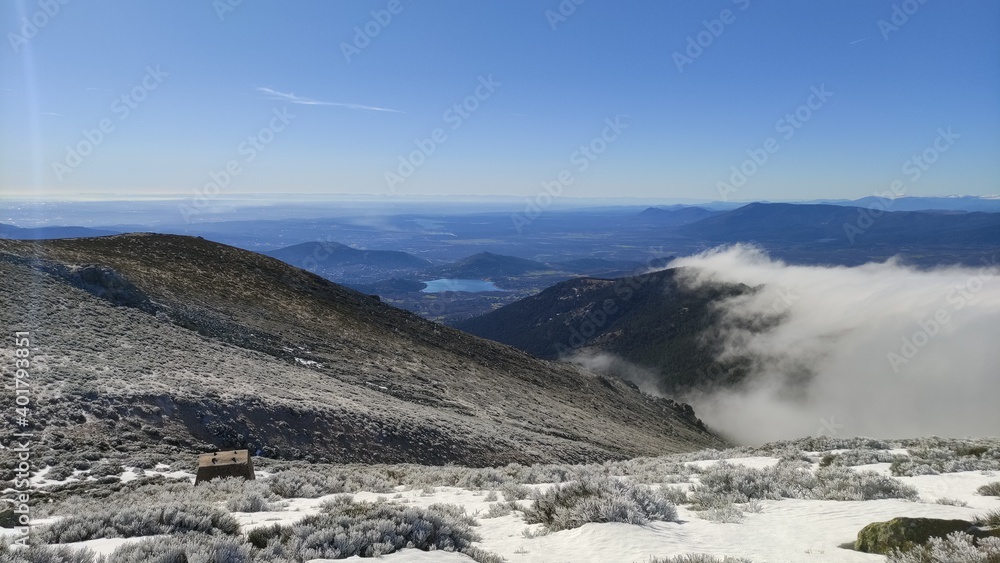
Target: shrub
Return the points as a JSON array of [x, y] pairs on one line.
[[726, 514], [990, 489], [990, 520], [949, 456], [515, 491], [249, 502], [132, 521], [951, 502], [345, 528], [499, 509], [59, 473], [841, 483], [571, 505], [106, 470], [45, 554], [674, 495], [958, 547], [736, 483], [176, 549]]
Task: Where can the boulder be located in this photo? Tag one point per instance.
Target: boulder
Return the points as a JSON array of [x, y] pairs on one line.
[[7, 517], [905, 533]]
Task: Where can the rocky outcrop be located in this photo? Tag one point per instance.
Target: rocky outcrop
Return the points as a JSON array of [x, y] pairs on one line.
[[905, 533]]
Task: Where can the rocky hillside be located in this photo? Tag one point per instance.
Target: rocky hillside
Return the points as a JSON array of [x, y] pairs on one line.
[[157, 341], [650, 321]]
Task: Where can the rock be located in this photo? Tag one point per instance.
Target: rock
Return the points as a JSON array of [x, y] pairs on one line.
[[905, 533], [7, 517]]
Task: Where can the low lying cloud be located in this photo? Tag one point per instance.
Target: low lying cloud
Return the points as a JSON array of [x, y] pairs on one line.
[[881, 350], [646, 380]]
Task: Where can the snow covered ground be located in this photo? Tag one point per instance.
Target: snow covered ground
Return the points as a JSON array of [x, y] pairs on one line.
[[787, 530]]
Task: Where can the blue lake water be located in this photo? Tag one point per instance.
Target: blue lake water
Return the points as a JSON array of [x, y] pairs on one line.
[[471, 286]]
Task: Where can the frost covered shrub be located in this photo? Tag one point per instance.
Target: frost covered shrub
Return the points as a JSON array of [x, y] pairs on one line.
[[303, 482], [783, 480], [574, 504], [59, 473], [741, 483], [499, 509], [851, 458], [45, 554], [935, 456], [249, 502], [132, 521], [250, 496], [189, 547], [990, 489], [106, 470], [345, 528], [841, 483], [958, 547], [515, 491], [674, 495], [727, 514]]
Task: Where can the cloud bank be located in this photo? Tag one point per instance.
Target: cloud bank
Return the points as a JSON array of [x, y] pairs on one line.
[[880, 350]]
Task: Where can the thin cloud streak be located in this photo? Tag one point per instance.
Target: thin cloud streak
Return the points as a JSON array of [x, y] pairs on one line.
[[293, 99]]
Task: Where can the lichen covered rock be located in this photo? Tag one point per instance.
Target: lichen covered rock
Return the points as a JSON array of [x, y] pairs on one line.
[[905, 533]]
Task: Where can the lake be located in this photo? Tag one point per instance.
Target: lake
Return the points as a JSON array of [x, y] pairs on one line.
[[471, 286]]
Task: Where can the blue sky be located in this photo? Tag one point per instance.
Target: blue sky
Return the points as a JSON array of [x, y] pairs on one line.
[[210, 77]]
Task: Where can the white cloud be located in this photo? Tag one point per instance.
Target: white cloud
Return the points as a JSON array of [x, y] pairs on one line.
[[293, 99], [884, 349]]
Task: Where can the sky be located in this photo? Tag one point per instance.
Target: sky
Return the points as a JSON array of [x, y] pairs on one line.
[[710, 99]]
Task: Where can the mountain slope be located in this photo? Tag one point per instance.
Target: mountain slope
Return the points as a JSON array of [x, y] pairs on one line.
[[153, 341], [648, 320]]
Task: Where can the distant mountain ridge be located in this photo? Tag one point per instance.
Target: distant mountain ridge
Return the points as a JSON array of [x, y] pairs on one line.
[[42, 233], [834, 224], [333, 254], [674, 215], [488, 264]]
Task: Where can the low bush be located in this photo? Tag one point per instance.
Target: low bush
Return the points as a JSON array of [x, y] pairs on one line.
[[59, 473], [189, 547], [499, 509], [132, 521], [515, 491], [989, 520], [737, 483], [951, 502], [990, 489], [574, 504], [45, 554], [346, 528], [727, 514], [935, 456], [956, 548]]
